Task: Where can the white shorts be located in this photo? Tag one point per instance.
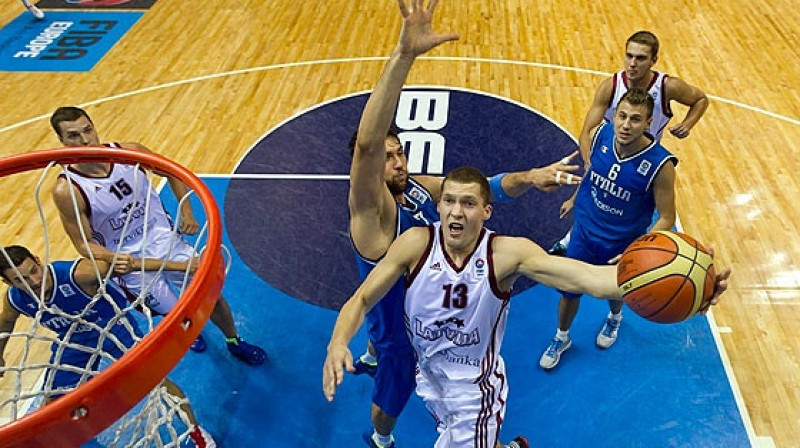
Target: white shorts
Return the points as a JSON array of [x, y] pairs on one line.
[[162, 289], [468, 415]]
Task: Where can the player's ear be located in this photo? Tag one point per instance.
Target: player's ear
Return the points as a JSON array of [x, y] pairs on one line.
[[487, 213]]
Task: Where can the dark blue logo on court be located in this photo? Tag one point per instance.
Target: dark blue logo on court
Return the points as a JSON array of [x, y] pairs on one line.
[[63, 42], [286, 206]]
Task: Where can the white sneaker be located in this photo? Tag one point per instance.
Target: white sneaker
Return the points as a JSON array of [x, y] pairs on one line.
[[552, 355], [608, 334]]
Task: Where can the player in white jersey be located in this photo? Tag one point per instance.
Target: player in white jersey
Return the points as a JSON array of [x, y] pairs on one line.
[[119, 205], [456, 306]]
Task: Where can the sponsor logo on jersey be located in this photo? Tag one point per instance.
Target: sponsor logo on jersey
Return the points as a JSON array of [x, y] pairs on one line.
[[418, 195], [480, 265], [604, 149], [457, 358], [436, 266], [644, 167], [433, 333], [66, 290]]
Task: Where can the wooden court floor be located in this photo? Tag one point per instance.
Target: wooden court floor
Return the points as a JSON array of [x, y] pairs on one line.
[[201, 81]]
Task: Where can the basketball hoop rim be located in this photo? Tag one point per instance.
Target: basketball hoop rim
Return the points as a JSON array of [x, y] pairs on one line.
[[115, 390]]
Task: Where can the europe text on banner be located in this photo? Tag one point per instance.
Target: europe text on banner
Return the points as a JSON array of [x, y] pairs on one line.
[[65, 41]]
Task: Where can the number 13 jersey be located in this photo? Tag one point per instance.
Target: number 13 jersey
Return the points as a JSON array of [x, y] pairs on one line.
[[456, 315]]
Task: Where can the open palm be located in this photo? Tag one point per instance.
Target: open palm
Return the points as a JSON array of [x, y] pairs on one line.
[[417, 36]]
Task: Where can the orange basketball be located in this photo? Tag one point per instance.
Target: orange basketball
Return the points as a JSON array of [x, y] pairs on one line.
[[666, 276]]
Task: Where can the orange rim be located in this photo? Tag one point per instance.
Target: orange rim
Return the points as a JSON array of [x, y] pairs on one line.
[[80, 415]]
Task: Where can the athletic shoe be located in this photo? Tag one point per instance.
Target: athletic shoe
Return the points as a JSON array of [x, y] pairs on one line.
[[201, 438], [608, 334], [552, 355], [367, 436], [361, 367], [558, 249], [36, 12], [199, 344], [249, 353], [519, 442]]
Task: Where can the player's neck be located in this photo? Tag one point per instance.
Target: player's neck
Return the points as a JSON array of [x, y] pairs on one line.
[[632, 147], [92, 169], [643, 82]]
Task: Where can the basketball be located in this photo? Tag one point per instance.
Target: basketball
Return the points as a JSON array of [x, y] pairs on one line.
[[666, 276]]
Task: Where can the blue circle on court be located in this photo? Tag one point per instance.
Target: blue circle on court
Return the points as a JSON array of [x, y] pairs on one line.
[[286, 206]]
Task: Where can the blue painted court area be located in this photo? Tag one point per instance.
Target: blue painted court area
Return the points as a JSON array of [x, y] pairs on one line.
[[659, 386]]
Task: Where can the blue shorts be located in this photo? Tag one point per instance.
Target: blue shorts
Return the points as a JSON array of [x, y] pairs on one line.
[[395, 381], [592, 250]]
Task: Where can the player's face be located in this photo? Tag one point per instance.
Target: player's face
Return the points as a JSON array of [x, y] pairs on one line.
[[630, 122], [463, 212], [396, 171], [638, 61], [31, 273], [80, 132]]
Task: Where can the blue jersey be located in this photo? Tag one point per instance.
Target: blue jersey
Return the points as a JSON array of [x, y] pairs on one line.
[[615, 201], [68, 306], [387, 328]]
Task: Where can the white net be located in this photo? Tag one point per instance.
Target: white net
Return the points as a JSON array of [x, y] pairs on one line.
[[64, 320]]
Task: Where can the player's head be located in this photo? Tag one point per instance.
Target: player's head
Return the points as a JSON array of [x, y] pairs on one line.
[[396, 169], [633, 115], [30, 269], [464, 206], [74, 127], [641, 52]]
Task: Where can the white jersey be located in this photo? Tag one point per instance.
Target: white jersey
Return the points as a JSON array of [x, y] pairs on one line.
[[661, 110], [111, 199], [456, 314]]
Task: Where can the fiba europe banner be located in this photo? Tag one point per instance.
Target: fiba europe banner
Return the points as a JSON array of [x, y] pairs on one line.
[[64, 41]]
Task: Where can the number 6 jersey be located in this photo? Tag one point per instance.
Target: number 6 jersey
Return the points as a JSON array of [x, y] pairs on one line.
[[456, 315]]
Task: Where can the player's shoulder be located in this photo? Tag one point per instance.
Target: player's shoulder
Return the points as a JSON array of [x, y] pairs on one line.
[[136, 146]]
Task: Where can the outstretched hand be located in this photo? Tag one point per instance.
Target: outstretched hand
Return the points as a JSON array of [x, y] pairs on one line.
[[417, 36], [333, 372]]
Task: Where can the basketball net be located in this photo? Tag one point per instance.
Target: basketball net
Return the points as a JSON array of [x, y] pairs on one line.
[[159, 415]]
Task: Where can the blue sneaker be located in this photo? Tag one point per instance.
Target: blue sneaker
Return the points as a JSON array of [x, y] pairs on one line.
[[199, 344], [362, 367], [367, 436], [608, 334], [552, 355], [249, 353]]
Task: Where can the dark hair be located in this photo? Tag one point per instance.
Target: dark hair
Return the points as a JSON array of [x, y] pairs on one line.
[[470, 175], [17, 254], [67, 113], [637, 97], [645, 38], [352, 143]]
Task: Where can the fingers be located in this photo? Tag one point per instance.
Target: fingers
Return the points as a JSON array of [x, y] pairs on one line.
[[567, 178], [566, 160], [331, 377], [403, 9]]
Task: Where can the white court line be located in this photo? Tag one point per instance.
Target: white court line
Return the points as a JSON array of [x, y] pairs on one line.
[[369, 59]]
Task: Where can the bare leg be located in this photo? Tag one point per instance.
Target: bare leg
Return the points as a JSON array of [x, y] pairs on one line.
[[383, 422], [222, 318], [567, 309]]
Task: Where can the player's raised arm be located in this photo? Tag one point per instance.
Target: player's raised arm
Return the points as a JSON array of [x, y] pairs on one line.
[[403, 254], [368, 193], [688, 95]]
